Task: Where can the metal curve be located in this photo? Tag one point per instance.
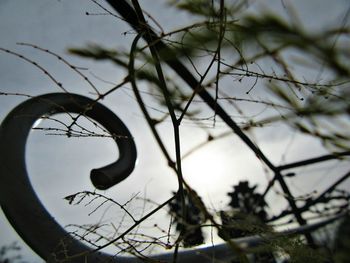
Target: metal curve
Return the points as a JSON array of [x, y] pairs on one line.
[[18, 200]]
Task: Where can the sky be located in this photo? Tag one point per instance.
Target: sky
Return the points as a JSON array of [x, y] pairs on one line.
[[59, 166]]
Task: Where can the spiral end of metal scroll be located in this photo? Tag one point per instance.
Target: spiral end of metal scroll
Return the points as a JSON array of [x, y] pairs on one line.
[[100, 179], [18, 199], [112, 174], [106, 177]]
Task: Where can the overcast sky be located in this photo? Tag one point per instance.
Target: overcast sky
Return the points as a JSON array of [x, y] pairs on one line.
[[59, 166]]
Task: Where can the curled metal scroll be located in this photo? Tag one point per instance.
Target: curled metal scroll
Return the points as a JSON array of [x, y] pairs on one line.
[[18, 199]]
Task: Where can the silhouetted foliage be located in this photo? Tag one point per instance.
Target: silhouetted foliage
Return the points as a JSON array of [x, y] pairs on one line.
[[190, 225], [342, 242], [247, 212], [247, 201]]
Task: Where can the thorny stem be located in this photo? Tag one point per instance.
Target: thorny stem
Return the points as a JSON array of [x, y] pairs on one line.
[[218, 52], [150, 121], [156, 61], [71, 198], [136, 223], [59, 84], [335, 155], [76, 69], [316, 200], [216, 57], [323, 158]]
